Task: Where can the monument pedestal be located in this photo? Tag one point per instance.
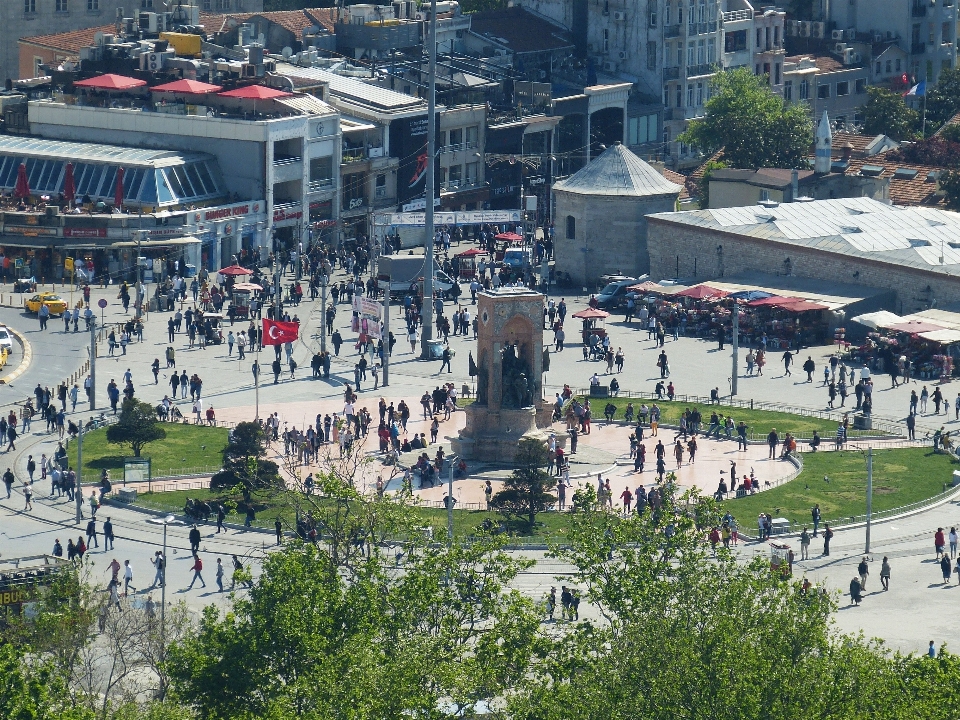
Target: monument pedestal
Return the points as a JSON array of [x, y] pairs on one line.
[[492, 435]]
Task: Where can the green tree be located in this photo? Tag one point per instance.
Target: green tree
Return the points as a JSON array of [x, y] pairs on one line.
[[33, 690], [755, 127], [943, 99], [950, 186], [137, 426], [525, 490], [704, 184], [886, 113], [244, 465]]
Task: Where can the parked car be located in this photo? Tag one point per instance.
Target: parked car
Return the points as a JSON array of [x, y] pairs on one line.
[[614, 295], [54, 302], [6, 339]]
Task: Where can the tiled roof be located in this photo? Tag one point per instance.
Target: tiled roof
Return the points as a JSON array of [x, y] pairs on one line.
[[776, 178], [618, 172], [907, 192], [677, 179], [955, 120], [523, 31], [68, 42]]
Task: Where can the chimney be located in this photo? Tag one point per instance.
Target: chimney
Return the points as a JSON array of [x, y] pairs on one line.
[[824, 146], [794, 185], [847, 150]]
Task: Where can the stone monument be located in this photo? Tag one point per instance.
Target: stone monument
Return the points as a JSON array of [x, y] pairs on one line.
[[509, 403]]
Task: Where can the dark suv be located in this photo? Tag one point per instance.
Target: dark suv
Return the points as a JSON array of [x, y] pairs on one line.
[[614, 295]]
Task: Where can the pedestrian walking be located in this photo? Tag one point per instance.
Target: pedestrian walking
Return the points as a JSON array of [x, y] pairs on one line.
[[863, 570], [219, 574], [107, 535], [197, 569], [946, 568], [804, 545], [159, 563], [885, 574], [127, 578], [827, 537], [27, 496], [278, 526]]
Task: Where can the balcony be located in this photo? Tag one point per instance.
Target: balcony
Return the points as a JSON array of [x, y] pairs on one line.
[[353, 155], [286, 160], [736, 15], [671, 31], [671, 73], [701, 70], [918, 10], [460, 147], [319, 185], [918, 48]]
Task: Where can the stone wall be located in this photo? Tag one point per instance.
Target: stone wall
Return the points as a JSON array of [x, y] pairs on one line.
[[689, 252]]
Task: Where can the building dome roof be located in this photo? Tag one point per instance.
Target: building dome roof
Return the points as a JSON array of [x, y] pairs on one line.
[[618, 172]]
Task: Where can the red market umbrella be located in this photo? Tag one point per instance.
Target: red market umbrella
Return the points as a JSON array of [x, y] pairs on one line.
[[69, 186], [118, 192], [22, 189], [255, 92], [646, 287], [509, 237], [915, 326], [772, 300], [235, 270], [591, 314], [799, 305], [110, 82], [194, 87], [472, 252], [701, 292]]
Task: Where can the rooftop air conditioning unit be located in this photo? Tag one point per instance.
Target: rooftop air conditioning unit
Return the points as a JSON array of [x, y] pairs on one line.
[[619, 16], [622, 55], [790, 28], [803, 28], [817, 29], [609, 67], [840, 48], [837, 35], [148, 22], [152, 62], [850, 34], [878, 37]]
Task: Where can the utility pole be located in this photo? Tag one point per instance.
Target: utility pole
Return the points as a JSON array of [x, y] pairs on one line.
[[93, 363], [453, 464], [427, 332], [736, 347], [869, 495], [78, 490], [277, 306], [323, 309], [385, 338]]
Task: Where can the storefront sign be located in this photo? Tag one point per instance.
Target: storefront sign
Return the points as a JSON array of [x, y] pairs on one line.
[[323, 224], [292, 213], [228, 211], [167, 231], [76, 232], [476, 217], [30, 231]]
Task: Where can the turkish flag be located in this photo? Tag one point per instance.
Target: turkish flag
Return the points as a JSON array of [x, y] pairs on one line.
[[278, 333]]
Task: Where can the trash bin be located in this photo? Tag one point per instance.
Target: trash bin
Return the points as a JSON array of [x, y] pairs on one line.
[[434, 349], [862, 422], [190, 270], [127, 495]]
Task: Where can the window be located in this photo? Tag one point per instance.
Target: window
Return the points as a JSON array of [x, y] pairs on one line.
[[642, 129], [691, 54], [788, 90], [711, 51], [759, 38], [679, 95], [776, 36], [471, 169], [699, 94], [62, 6], [93, 4], [690, 95], [701, 52], [702, 12], [456, 137], [735, 41], [473, 136], [37, 62], [146, 3], [888, 67], [804, 89], [776, 73], [653, 19], [898, 64], [651, 56], [29, 6], [823, 91], [680, 12], [679, 54], [321, 171], [861, 86], [666, 14], [354, 191], [456, 175], [606, 40], [666, 97], [843, 88], [571, 227], [879, 67]]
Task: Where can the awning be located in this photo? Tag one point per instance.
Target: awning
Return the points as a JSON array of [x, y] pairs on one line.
[[255, 92], [879, 319], [110, 82], [509, 237], [186, 85], [750, 295], [944, 337], [701, 292], [166, 242], [472, 252], [646, 286], [770, 300], [915, 327], [800, 305], [591, 314]]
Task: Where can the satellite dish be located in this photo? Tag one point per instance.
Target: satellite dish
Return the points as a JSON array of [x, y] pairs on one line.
[[287, 52]]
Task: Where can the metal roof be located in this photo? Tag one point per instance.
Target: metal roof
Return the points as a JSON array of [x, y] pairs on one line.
[[29, 147], [618, 172], [358, 91], [918, 237]]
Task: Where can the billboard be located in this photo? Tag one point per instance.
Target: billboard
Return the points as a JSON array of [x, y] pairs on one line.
[[408, 142]]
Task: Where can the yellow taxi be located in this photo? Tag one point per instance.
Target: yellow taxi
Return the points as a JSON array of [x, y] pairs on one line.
[[54, 302]]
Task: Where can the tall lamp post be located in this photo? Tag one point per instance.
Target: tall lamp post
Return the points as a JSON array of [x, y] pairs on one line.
[[165, 521], [427, 333]]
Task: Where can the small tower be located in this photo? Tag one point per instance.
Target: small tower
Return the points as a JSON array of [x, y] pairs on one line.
[[824, 141]]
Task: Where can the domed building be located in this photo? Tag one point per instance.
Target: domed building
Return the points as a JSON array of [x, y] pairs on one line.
[[601, 214]]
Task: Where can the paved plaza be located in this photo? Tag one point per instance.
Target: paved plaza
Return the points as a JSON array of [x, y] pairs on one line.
[[916, 610]]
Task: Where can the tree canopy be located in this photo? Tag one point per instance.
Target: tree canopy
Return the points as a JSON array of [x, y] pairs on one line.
[[754, 126], [943, 99], [525, 490], [886, 113], [244, 464], [137, 426]]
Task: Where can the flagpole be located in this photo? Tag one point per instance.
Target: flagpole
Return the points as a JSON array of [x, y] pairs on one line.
[[923, 129]]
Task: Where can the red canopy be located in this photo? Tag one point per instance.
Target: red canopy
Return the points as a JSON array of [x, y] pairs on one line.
[[647, 286], [772, 300], [701, 292], [110, 82], [591, 314], [118, 191], [22, 189], [915, 326], [235, 270], [255, 92], [509, 237], [472, 252], [800, 305], [188, 86], [69, 187]]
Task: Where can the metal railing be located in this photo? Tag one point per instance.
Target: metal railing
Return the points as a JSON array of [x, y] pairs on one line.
[[671, 73], [735, 15], [671, 31], [352, 155]]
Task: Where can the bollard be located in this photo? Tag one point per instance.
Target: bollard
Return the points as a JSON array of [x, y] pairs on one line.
[[751, 403]]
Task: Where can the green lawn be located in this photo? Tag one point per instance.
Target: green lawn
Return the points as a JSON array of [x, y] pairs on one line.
[[186, 448], [760, 422], [551, 525], [900, 477]]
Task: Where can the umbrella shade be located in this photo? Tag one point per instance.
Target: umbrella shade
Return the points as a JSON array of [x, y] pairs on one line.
[[750, 295], [799, 305], [509, 237], [194, 87], [69, 186], [591, 314], [118, 191], [701, 292], [770, 300], [235, 270], [472, 252], [247, 287], [915, 327], [110, 82], [22, 189], [255, 92]]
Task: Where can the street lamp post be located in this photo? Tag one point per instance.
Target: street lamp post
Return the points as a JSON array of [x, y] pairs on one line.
[[427, 332], [165, 521], [323, 311], [78, 490], [869, 495], [93, 363]]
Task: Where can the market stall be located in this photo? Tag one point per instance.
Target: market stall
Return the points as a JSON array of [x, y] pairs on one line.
[[593, 331], [465, 263]]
